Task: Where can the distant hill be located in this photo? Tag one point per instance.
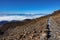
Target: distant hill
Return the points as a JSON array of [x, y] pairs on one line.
[[3, 22]]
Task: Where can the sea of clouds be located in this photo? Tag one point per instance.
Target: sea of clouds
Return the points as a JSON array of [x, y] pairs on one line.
[[9, 16], [18, 17]]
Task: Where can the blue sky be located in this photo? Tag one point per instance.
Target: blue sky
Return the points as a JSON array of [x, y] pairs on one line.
[[28, 6]]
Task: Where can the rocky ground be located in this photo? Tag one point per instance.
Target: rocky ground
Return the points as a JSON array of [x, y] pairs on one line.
[[43, 28]]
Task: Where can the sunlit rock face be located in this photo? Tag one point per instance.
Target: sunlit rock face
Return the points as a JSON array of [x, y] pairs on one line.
[[42, 28]]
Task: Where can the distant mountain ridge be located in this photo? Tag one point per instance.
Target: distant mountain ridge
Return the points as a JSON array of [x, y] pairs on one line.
[[22, 14], [3, 22]]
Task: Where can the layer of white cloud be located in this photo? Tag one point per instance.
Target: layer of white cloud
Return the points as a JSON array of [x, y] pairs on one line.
[[10, 18]]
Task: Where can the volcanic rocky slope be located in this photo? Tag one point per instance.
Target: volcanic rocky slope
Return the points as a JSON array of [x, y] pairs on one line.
[[43, 28], [54, 26]]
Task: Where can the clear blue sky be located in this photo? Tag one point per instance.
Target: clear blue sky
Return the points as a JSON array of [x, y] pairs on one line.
[[39, 6]]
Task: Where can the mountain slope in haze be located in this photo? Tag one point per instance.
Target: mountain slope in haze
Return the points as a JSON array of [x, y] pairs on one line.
[[43, 28]]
